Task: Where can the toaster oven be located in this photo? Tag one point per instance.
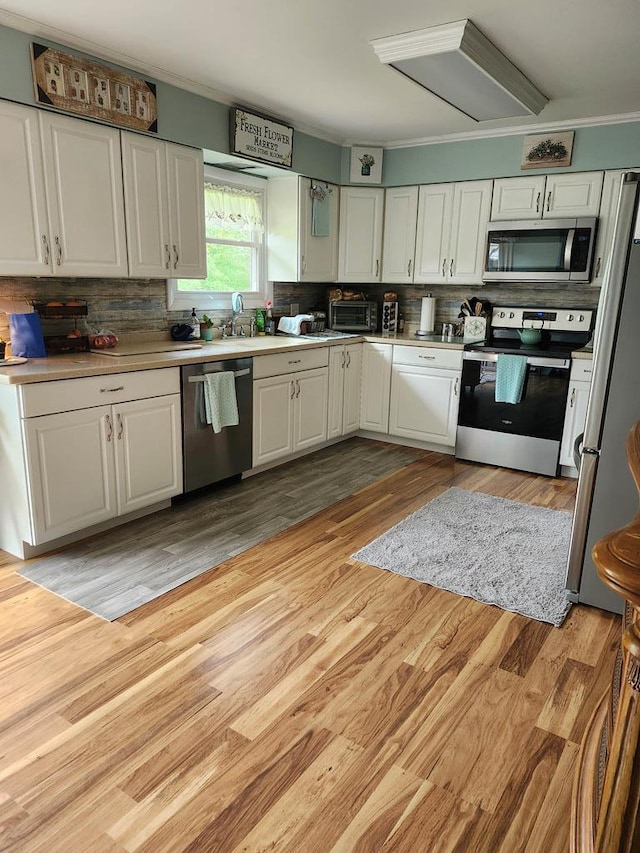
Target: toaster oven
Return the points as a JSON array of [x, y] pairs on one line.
[[353, 316]]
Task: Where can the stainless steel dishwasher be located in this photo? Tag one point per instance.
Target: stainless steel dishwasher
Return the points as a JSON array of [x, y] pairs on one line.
[[208, 456]]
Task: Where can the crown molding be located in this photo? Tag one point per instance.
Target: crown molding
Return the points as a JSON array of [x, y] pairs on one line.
[[100, 51], [492, 133]]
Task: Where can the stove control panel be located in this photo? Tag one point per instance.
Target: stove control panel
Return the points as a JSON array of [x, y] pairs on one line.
[[553, 319]]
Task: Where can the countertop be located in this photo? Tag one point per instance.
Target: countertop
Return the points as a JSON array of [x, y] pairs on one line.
[[76, 365]]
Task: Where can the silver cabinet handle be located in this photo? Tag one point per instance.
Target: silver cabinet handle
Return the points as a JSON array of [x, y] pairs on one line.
[[120, 426], [377, 267], [58, 251], [427, 357], [167, 256], [455, 387], [409, 268], [597, 272], [451, 268], [348, 359], [538, 203], [303, 264], [573, 398], [109, 427], [297, 388], [294, 361], [293, 389], [175, 252], [444, 264], [344, 360], [47, 253], [549, 201], [112, 390]]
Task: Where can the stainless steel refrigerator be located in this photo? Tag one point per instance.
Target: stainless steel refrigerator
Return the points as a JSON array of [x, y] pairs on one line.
[[606, 498]]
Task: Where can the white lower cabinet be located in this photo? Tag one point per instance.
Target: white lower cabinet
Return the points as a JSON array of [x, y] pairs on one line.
[[92, 463], [576, 411], [345, 371], [289, 408], [375, 387], [425, 394]]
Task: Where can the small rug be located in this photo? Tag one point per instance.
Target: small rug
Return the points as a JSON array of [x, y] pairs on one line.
[[495, 550], [117, 571]]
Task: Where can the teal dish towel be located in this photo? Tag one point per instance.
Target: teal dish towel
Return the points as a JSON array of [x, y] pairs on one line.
[[320, 217], [220, 403], [510, 375]]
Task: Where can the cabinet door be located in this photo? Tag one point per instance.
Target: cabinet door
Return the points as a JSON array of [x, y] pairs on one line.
[[518, 198], [608, 209], [435, 204], [400, 218], [146, 205], [272, 418], [573, 194], [361, 213], [25, 247], [311, 397], [83, 175], [337, 369], [574, 418], [318, 255], [148, 450], [70, 469], [352, 386], [185, 171], [376, 384], [471, 210], [424, 404]]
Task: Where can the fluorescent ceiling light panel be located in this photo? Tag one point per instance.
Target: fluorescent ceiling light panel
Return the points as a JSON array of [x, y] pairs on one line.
[[461, 66]]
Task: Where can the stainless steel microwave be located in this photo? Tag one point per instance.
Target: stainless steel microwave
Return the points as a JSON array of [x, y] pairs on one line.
[[353, 316], [540, 250]]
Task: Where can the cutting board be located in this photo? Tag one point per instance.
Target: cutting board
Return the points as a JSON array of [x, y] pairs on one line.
[[145, 347]]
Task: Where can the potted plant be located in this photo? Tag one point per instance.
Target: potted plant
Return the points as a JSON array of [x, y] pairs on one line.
[[206, 328]]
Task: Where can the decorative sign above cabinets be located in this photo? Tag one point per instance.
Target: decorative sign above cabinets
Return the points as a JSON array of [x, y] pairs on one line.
[[82, 86], [261, 138]]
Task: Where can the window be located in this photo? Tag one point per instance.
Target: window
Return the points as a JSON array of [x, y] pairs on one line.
[[234, 232]]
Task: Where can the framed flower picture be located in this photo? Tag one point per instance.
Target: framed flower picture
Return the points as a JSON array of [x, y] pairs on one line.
[[366, 165], [543, 150]]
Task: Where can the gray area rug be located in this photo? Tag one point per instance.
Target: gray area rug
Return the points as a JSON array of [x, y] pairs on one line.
[[495, 550], [116, 571]]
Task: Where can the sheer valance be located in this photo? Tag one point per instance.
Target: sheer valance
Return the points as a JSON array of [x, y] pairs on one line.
[[233, 206]]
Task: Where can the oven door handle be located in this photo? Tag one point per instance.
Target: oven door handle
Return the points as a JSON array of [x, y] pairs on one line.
[[532, 361]]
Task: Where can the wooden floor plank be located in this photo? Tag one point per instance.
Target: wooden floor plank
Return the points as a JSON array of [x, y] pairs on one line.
[[295, 700]]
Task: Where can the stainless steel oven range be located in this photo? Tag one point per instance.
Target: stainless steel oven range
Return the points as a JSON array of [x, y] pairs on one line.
[[524, 433]]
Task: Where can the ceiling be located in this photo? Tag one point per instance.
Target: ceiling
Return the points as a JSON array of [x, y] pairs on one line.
[[309, 62]]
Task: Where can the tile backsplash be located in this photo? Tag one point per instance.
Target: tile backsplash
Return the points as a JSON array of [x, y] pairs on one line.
[[140, 305]]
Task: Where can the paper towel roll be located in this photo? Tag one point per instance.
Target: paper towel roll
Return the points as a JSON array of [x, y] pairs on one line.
[[427, 314]]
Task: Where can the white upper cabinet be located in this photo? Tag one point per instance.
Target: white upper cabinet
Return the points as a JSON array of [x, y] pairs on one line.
[[550, 196], [451, 232], [302, 243], [83, 179], [185, 170], [164, 199], [608, 209], [361, 215], [400, 218], [24, 231]]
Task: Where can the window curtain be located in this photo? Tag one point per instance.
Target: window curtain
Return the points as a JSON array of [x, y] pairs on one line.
[[233, 206]]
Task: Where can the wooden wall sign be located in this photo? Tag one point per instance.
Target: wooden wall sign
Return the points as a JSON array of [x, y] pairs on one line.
[[82, 86], [261, 138]]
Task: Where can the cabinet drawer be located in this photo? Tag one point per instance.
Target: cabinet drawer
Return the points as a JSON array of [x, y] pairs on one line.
[[290, 362], [65, 395], [581, 370], [428, 356]]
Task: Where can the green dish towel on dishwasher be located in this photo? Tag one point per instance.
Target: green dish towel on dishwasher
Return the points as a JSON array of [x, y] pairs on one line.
[[220, 403], [510, 374]]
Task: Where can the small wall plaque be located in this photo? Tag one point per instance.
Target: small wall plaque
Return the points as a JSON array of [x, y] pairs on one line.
[[81, 86], [260, 138]]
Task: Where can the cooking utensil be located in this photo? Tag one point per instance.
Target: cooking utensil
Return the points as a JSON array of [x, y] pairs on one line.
[[530, 336]]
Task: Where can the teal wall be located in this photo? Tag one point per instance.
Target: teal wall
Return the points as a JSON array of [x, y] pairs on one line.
[[193, 120]]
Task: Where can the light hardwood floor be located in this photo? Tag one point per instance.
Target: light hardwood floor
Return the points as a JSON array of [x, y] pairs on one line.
[[295, 700]]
